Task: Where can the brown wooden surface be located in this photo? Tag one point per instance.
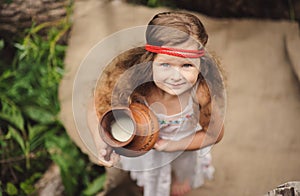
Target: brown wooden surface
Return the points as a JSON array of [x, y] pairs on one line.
[[17, 15]]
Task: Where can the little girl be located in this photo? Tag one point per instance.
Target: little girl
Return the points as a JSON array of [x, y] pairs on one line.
[[175, 77]]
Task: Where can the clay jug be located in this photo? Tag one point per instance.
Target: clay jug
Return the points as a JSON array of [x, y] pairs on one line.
[[130, 131]]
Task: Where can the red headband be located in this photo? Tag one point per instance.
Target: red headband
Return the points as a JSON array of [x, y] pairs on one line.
[[175, 51]]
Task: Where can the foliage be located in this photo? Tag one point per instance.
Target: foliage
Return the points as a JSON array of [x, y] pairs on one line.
[[76, 171], [31, 135]]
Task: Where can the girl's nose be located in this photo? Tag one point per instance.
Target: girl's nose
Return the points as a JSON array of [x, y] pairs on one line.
[[176, 75]]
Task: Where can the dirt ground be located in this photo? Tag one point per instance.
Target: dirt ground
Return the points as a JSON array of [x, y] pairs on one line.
[[261, 146]]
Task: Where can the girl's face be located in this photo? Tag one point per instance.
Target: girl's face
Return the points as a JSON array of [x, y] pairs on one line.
[[175, 75]]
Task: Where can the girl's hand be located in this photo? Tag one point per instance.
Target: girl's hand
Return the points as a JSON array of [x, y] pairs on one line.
[[166, 145], [107, 157], [171, 145]]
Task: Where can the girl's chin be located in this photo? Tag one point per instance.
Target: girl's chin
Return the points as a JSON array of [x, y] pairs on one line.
[[174, 92]]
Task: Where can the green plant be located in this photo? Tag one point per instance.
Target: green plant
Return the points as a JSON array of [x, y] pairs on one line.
[[77, 172], [31, 135], [29, 105]]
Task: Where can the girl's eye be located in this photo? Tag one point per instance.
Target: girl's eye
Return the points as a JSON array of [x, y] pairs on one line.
[[164, 64], [187, 65]]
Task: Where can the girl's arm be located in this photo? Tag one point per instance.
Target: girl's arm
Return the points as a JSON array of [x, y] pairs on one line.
[[105, 156]]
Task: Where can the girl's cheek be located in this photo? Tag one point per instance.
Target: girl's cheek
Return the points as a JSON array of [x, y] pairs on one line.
[[190, 76]]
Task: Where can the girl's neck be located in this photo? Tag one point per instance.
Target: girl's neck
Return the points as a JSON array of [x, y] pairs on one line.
[[172, 104], [168, 97]]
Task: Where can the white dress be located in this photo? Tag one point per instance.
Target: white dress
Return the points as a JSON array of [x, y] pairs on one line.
[[155, 169]]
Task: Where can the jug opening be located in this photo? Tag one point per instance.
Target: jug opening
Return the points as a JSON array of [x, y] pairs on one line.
[[122, 128], [117, 127]]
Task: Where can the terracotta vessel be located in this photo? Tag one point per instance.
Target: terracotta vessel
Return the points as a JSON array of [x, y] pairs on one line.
[[137, 141]]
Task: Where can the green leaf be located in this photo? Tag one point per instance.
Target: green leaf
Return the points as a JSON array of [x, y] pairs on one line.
[[28, 185], [67, 156], [39, 114], [152, 3], [11, 189], [95, 186], [27, 188], [37, 135], [18, 168], [17, 137], [20, 46], [5, 75], [11, 113], [1, 190], [1, 44], [36, 130]]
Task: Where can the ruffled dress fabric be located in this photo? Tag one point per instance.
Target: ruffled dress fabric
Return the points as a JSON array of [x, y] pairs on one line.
[[154, 170]]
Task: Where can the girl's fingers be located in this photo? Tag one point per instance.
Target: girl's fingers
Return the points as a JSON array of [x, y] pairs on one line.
[[115, 158], [160, 145], [105, 163], [108, 157]]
